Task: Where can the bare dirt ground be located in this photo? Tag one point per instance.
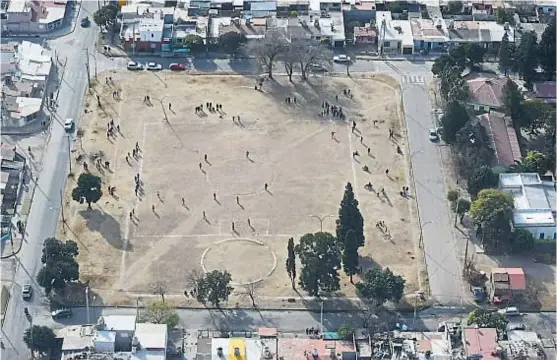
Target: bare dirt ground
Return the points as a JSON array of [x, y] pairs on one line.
[[290, 148]]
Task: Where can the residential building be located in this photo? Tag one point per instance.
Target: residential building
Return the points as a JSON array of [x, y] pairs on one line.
[[148, 33], [149, 341], [123, 326], [316, 349], [545, 91], [325, 5], [480, 343], [363, 11], [259, 8], [253, 29], [488, 34], [395, 36], [302, 27], [331, 26], [12, 169], [503, 137], [505, 284], [429, 35], [26, 16], [534, 203], [486, 93], [365, 35], [287, 7]]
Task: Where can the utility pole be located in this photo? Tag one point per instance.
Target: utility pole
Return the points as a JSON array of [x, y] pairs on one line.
[[466, 254], [62, 209], [87, 304], [456, 211], [321, 318], [87, 66], [69, 154]]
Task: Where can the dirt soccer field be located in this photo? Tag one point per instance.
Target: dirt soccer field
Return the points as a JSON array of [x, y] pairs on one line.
[[184, 218]]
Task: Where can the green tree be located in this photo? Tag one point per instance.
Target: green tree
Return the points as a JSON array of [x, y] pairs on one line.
[[502, 16], [491, 212], [319, 254], [472, 148], [39, 339], [474, 54], [535, 114], [346, 332], [455, 7], [453, 120], [194, 42], [459, 54], [533, 162], [506, 54], [59, 262], [291, 263], [484, 318], [522, 241], [461, 207], [546, 49], [512, 100], [106, 15], [481, 178], [452, 195], [214, 287], [381, 286], [231, 42], [160, 312], [527, 57], [88, 189], [350, 255], [453, 87], [349, 218], [442, 63]]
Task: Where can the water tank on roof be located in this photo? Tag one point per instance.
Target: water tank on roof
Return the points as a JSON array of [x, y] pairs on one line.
[[506, 26]]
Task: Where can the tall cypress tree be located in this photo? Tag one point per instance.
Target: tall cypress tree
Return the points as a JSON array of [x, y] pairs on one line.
[[350, 255], [506, 54], [546, 49], [350, 218], [291, 263]]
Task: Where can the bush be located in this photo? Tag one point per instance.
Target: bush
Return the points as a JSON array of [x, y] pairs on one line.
[[452, 195], [293, 13], [345, 332]]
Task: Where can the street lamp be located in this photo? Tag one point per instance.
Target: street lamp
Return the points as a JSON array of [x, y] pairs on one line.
[[321, 218], [87, 304]]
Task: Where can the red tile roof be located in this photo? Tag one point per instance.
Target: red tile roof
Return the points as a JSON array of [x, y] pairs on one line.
[[486, 91], [480, 342], [503, 137]]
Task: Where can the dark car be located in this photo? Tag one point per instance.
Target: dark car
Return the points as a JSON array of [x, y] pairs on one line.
[[85, 22], [479, 293], [177, 66], [27, 292], [61, 313]]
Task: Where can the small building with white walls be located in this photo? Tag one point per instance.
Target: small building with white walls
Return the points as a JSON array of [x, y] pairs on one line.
[[534, 203], [395, 36]]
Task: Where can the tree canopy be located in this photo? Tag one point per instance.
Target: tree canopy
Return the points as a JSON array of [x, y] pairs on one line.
[[59, 262], [522, 241], [39, 339], [319, 254], [160, 312], [194, 42], [106, 15], [88, 189], [350, 262], [506, 54], [472, 148], [484, 318], [266, 50], [381, 286], [491, 212], [350, 218], [214, 287], [231, 42], [481, 178], [512, 99], [527, 57], [454, 118], [546, 49], [533, 162], [291, 263]]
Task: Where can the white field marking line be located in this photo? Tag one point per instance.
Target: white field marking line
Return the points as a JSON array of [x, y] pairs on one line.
[[127, 227], [174, 236], [353, 162]]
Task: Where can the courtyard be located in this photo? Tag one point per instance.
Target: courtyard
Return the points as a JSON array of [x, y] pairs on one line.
[[197, 213]]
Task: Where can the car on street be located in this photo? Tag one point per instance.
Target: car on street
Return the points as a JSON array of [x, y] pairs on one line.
[[68, 125], [154, 66], [318, 68], [433, 135], [177, 66], [509, 311], [516, 326], [85, 22], [132, 65], [26, 292], [61, 313], [341, 58], [478, 292]]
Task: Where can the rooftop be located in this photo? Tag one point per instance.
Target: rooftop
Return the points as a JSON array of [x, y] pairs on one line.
[[253, 29], [248, 348], [118, 322], [17, 6], [364, 31], [314, 349], [431, 30], [151, 336], [503, 137], [486, 91], [51, 13], [545, 91], [332, 26], [480, 342], [27, 106], [514, 276], [77, 337]]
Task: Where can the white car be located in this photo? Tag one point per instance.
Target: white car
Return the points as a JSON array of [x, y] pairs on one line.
[[509, 311], [341, 58], [68, 125], [154, 66], [132, 65], [433, 135]]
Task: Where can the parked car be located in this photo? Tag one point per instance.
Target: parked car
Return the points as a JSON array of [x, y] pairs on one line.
[[132, 65], [61, 313], [516, 326], [318, 68], [509, 311], [68, 125], [26, 292], [433, 135], [479, 293], [177, 66], [154, 66], [341, 58], [85, 22]]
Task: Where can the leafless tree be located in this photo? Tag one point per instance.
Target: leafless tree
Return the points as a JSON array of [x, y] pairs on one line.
[[251, 291], [290, 59], [266, 50], [192, 279], [159, 287], [311, 53]]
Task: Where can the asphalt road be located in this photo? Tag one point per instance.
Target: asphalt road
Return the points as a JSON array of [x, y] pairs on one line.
[[45, 207]]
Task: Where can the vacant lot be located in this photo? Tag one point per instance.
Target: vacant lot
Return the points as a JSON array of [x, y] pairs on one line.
[[291, 149]]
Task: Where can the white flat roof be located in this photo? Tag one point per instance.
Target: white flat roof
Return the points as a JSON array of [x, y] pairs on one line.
[[33, 52], [28, 106], [148, 355], [16, 6], [534, 218], [397, 30], [119, 322], [76, 337], [53, 13], [151, 336], [105, 336]]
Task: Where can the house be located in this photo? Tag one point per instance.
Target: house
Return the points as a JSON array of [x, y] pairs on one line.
[[505, 283], [526, 345], [235, 348], [332, 29], [325, 5], [485, 93], [23, 16], [288, 7], [259, 8], [545, 91], [363, 11], [480, 343], [145, 34], [488, 34], [395, 36], [252, 29], [534, 203], [302, 27], [429, 35], [365, 35], [123, 327], [149, 341], [316, 349], [503, 137]]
